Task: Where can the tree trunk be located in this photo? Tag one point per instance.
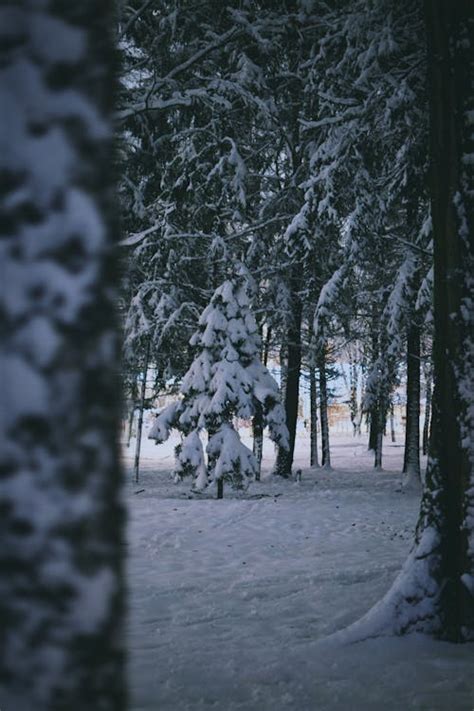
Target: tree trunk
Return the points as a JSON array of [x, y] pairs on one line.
[[380, 428], [353, 404], [141, 408], [392, 422], [257, 422], [374, 421], [220, 488], [434, 592], [283, 371], [426, 423], [374, 414], [257, 428], [411, 462], [266, 346], [131, 417], [449, 502], [61, 599], [284, 461], [323, 406], [313, 396]]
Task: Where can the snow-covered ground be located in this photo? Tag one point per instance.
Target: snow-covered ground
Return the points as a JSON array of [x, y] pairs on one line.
[[230, 600]]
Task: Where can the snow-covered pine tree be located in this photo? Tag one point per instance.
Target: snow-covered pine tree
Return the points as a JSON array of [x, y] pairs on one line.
[[161, 316], [367, 140], [61, 512], [225, 381], [196, 126]]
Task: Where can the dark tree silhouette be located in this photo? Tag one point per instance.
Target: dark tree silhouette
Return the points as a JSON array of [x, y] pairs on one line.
[[434, 592], [448, 505]]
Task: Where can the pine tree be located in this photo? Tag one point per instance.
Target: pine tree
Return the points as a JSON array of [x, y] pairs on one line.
[[225, 381], [368, 173]]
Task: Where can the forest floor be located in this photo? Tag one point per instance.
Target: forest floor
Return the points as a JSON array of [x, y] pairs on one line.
[[230, 600]]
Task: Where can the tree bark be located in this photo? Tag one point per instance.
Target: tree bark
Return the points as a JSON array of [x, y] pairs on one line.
[[266, 346], [374, 413], [131, 414], [353, 404], [434, 592], [283, 370], [426, 423], [411, 462], [131, 417], [374, 421], [381, 420], [284, 461], [257, 430], [61, 522], [141, 408], [313, 397], [449, 502], [257, 422], [323, 406], [392, 422]]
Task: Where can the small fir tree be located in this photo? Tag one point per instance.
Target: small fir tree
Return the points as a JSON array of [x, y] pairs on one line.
[[226, 380]]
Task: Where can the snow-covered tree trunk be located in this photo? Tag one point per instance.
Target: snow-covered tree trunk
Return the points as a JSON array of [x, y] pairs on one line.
[[323, 407], [313, 398], [353, 404], [61, 518], [426, 421], [257, 431], [448, 508], [283, 370], [434, 592], [266, 346], [411, 462]]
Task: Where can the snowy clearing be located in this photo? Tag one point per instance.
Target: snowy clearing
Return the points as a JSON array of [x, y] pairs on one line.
[[230, 601]]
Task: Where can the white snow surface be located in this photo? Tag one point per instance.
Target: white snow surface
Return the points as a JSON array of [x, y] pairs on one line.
[[231, 601]]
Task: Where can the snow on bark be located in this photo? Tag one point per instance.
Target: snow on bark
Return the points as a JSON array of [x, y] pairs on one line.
[[60, 553], [411, 603]]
